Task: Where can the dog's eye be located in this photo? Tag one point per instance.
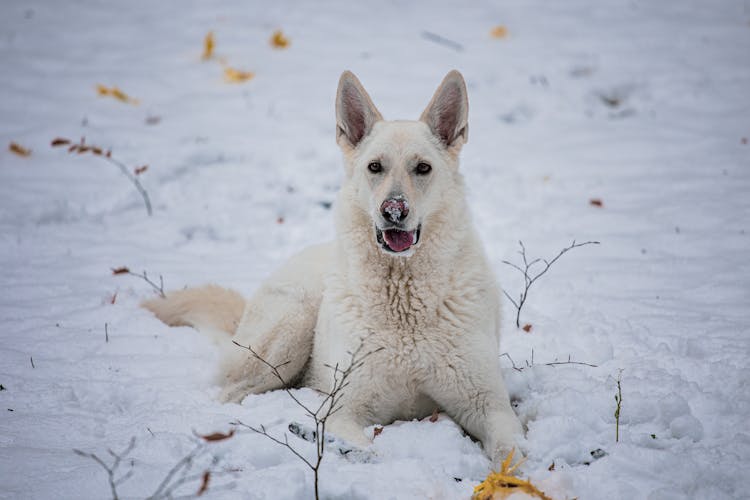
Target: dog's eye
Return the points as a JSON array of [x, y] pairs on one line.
[[423, 168], [375, 167]]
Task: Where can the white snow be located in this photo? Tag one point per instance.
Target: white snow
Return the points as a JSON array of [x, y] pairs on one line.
[[642, 105]]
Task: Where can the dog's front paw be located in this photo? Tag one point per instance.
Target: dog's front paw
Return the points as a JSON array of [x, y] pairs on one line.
[[339, 446]]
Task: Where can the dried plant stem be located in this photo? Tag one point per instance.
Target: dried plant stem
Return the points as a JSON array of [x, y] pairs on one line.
[[618, 400], [158, 288], [552, 363], [81, 148], [112, 468], [177, 476], [331, 404], [134, 180], [529, 278]]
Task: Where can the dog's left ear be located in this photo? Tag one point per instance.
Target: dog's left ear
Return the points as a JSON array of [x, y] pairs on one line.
[[448, 112]]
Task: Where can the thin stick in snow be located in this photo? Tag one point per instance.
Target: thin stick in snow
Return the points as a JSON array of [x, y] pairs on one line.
[[82, 147], [529, 278], [330, 405]]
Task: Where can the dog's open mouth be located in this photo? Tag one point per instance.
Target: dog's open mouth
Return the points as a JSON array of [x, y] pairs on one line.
[[396, 240]]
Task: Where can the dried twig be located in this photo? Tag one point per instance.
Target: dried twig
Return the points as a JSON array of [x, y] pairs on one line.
[[530, 279], [552, 363], [441, 40], [144, 276], [179, 475], [618, 400], [81, 148], [111, 469], [330, 405]]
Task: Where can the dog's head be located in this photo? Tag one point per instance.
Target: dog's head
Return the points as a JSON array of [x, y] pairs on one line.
[[402, 170]]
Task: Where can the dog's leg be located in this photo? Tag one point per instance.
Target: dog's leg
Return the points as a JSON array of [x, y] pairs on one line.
[[478, 401], [278, 325]]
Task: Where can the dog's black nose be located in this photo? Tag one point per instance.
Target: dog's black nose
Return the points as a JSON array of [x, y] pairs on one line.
[[395, 209]]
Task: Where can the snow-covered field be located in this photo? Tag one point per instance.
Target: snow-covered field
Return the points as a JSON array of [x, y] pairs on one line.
[[642, 105]]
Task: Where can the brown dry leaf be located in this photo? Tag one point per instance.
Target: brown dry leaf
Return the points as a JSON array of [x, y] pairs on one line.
[[218, 436], [140, 170], [115, 92], [208, 46], [744, 140], [120, 270], [499, 32], [279, 40], [376, 432], [551, 466], [59, 141], [280, 220], [113, 299], [232, 75], [19, 150], [526, 328], [597, 202], [502, 484], [434, 416], [204, 483]]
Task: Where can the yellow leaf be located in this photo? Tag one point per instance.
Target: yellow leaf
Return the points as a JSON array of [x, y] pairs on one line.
[[16, 148], [115, 92], [208, 46], [232, 75], [278, 40], [499, 485], [499, 32]]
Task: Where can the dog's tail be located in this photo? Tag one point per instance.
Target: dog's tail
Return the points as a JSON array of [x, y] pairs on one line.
[[208, 308]]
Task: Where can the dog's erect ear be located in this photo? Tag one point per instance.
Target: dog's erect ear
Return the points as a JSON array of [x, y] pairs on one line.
[[355, 112], [448, 112]]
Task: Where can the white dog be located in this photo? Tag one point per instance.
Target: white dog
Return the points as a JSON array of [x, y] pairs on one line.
[[406, 280]]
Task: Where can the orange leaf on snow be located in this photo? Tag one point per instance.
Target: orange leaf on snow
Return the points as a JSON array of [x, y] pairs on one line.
[[502, 484], [140, 170], [19, 150], [208, 46], [115, 92], [59, 141], [526, 328], [218, 436], [120, 270], [232, 75], [204, 483], [499, 32], [279, 40]]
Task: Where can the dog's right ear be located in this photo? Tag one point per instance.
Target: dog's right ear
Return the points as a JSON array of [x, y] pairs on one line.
[[355, 112]]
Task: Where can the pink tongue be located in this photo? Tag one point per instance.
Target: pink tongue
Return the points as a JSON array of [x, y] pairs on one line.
[[398, 241]]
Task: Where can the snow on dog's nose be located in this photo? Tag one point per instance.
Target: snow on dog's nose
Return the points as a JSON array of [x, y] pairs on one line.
[[395, 209]]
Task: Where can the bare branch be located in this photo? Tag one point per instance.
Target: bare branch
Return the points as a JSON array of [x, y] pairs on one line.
[[158, 288], [530, 278], [552, 363], [111, 470], [285, 443], [330, 404], [82, 147], [175, 478]]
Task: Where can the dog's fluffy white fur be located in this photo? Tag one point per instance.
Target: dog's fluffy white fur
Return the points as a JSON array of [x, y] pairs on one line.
[[414, 287]]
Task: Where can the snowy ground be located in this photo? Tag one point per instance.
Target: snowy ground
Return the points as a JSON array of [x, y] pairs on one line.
[[642, 105]]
